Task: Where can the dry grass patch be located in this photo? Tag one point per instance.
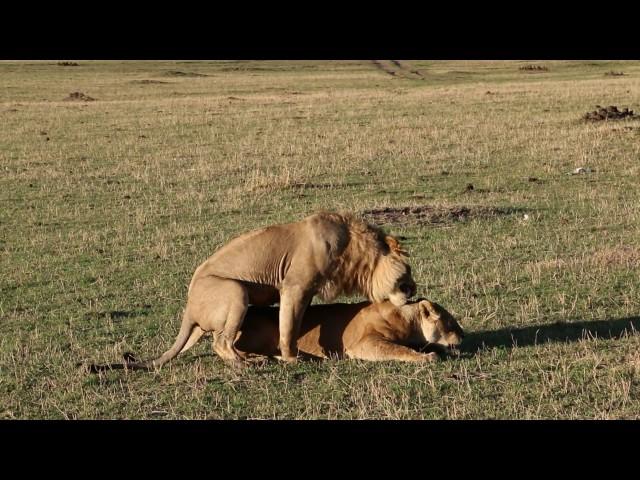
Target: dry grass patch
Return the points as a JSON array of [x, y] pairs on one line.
[[103, 224]]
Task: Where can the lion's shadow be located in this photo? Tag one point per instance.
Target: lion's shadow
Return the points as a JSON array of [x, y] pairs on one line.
[[555, 332]]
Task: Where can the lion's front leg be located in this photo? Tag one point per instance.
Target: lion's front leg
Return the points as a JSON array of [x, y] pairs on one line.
[[375, 347], [293, 303]]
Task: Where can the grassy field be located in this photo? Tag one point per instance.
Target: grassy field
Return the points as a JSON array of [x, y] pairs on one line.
[[108, 206]]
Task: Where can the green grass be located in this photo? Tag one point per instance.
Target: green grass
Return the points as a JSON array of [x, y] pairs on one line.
[[107, 208]]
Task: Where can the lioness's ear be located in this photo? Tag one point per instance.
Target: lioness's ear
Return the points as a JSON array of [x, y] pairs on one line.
[[394, 246], [424, 311], [427, 308]]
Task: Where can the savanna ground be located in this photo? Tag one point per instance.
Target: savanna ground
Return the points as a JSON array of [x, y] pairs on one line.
[[108, 206]]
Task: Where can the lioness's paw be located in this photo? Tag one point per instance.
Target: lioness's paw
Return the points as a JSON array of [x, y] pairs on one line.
[[431, 357]]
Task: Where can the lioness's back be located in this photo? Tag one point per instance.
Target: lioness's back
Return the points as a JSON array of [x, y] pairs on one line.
[[321, 332]]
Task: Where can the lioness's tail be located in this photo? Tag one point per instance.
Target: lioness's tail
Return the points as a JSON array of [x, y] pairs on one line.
[[184, 335]]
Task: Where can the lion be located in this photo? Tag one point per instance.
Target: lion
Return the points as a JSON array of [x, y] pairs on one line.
[[325, 254], [365, 331]]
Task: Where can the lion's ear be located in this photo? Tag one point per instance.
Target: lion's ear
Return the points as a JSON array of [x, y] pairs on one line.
[[395, 246]]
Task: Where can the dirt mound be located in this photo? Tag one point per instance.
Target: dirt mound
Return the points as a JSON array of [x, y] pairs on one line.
[[609, 113], [397, 68], [178, 73], [534, 68], [147, 82], [430, 215], [79, 97], [67, 64]]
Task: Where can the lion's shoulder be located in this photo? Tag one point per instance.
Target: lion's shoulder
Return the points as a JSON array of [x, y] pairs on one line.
[[330, 231]]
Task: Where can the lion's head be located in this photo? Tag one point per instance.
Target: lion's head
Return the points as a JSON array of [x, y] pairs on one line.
[[438, 326], [373, 264], [392, 278]]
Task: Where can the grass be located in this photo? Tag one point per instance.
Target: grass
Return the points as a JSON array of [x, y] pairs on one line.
[[109, 206]]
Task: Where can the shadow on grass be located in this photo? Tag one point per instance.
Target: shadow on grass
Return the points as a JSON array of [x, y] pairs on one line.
[[555, 332], [119, 314]]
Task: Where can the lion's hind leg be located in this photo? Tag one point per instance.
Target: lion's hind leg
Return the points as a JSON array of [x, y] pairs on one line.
[[377, 348], [220, 305]]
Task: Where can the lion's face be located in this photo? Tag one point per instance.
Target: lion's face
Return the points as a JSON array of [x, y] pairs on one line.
[[438, 325], [392, 277], [403, 289]]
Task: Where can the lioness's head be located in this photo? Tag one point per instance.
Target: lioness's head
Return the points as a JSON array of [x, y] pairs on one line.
[[438, 326], [392, 276]]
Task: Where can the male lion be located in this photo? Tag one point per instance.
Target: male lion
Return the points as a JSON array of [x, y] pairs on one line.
[[325, 254], [366, 331]]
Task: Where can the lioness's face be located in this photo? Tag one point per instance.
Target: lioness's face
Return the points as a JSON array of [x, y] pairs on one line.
[[404, 289], [439, 326]]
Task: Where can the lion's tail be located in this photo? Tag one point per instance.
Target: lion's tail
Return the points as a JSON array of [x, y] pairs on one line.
[[184, 335]]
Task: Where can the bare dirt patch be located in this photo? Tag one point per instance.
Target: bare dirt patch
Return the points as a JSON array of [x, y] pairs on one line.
[[179, 73], [534, 68], [322, 186], [608, 113], [431, 215], [300, 187], [79, 97], [147, 82]]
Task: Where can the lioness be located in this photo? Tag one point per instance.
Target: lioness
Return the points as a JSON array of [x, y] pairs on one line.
[[325, 254], [367, 331]]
